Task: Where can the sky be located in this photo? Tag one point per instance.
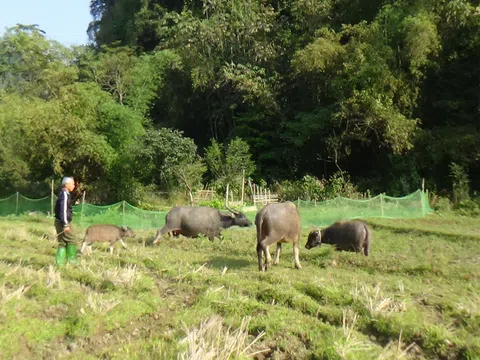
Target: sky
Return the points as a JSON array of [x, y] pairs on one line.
[[63, 20]]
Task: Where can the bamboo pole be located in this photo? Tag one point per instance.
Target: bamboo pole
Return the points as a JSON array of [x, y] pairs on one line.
[[123, 212], [226, 195], [52, 192], [243, 186], [81, 212], [381, 203]]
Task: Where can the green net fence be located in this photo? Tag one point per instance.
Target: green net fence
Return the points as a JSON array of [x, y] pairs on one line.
[[18, 204], [412, 206], [318, 214]]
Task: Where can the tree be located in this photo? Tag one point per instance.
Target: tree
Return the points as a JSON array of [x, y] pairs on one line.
[[190, 174], [32, 65], [166, 158], [227, 165]]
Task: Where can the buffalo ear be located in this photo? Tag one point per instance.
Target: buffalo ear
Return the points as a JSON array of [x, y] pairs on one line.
[[124, 228]]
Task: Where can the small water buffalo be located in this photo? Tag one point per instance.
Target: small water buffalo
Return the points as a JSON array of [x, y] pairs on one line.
[[104, 233], [345, 235], [192, 221], [277, 223]]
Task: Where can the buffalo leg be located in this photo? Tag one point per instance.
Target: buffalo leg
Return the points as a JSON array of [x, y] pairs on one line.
[[260, 257], [295, 256], [164, 230], [268, 260], [276, 260], [111, 248], [83, 247], [123, 243], [265, 243]]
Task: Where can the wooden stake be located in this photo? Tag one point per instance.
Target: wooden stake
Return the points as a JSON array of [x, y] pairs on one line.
[[51, 198], [226, 195], [243, 186]]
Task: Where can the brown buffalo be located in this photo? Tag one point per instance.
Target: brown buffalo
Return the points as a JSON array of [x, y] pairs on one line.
[[277, 223], [106, 233]]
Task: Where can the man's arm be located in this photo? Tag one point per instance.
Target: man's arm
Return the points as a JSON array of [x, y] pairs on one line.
[[63, 208], [77, 193]]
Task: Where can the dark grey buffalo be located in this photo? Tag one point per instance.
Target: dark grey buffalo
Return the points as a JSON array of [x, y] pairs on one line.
[[277, 223], [345, 235], [192, 221], [106, 233]]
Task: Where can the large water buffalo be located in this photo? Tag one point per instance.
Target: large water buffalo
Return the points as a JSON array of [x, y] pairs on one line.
[[345, 235], [277, 223], [192, 221]]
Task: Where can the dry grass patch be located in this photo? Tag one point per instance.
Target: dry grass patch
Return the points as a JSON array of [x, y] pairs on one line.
[[54, 278], [211, 340], [375, 301], [348, 343], [398, 350], [17, 234], [98, 305], [7, 294], [125, 276]]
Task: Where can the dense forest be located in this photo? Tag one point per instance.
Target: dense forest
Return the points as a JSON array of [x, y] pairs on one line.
[[176, 94]]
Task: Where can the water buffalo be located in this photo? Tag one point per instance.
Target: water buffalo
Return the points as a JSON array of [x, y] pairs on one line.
[[104, 233], [192, 221], [277, 223], [345, 235]]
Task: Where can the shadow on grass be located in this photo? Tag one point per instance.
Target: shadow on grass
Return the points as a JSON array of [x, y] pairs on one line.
[[218, 262]]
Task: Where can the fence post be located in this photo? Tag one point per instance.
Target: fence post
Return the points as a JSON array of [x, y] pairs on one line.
[[51, 200], [381, 202], [81, 209], [423, 201], [16, 206], [243, 185], [298, 203], [226, 194], [123, 212]]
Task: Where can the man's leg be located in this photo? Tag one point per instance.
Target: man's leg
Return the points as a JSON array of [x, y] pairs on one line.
[[71, 241], [61, 256]]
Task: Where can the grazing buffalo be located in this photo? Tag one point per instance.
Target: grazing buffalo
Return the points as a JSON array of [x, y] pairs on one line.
[[345, 235], [192, 221], [277, 223], [104, 233]]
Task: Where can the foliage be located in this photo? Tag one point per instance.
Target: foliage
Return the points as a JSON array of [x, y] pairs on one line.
[[164, 156], [461, 188], [228, 164], [384, 91], [311, 188]]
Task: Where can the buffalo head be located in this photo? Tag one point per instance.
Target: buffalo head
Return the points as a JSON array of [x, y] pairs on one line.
[[128, 232], [314, 239], [239, 218]]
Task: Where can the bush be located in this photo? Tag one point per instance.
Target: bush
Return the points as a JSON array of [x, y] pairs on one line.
[[460, 183], [215, 203], [442, 204], [468, 207], [311, 188]]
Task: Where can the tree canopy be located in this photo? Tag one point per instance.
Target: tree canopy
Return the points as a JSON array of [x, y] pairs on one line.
[[387, 91]]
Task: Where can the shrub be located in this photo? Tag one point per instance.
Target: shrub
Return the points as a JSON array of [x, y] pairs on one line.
[[311, 188]]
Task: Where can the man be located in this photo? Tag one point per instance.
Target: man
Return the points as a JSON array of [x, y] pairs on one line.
[[67, 248]]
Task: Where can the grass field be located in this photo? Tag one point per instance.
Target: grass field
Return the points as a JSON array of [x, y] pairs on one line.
[[416, 297]]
